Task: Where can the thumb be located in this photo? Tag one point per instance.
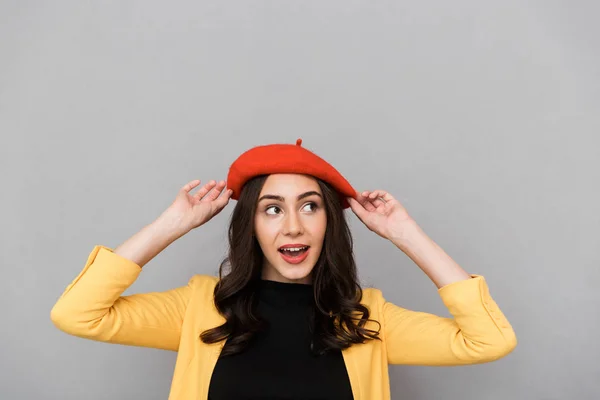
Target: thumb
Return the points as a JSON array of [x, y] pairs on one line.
[[357, 208], [222, 200]]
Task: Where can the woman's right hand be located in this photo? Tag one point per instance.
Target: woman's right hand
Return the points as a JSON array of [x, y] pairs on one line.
[[189, 211]]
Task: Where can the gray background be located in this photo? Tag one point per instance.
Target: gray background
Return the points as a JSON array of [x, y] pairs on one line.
[[480, 117]]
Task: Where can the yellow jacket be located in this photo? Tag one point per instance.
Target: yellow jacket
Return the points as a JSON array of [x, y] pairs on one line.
[[93, 307]]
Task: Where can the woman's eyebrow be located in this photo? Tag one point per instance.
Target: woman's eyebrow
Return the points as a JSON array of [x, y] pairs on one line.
[[282, 199]]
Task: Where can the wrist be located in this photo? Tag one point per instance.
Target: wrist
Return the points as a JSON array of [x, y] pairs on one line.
[[405, 234], [170, 227]]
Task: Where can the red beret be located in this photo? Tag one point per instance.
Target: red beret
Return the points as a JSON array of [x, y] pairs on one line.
[[285, 159]]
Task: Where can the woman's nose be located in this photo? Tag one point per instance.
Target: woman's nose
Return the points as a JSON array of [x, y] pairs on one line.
[[293, 225]]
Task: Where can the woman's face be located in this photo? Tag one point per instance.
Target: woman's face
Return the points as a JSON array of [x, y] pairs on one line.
[[290, 213]]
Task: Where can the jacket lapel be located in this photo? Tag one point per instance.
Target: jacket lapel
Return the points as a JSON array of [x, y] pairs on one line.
[[352, 367]]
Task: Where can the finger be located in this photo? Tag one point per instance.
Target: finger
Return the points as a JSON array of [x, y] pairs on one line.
[[358, 208], [219, 204], [216, 191], [190, 185], [376, 194], [370, 195], [366, 203], [204, 189], [373, 204], [382, 194], [381, 198], [222, 201], [378, 202]]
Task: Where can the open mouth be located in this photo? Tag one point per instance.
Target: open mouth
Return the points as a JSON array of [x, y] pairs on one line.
[[293, 251]]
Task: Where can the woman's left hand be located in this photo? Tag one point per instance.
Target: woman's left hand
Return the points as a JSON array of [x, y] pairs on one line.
[[381, 213]]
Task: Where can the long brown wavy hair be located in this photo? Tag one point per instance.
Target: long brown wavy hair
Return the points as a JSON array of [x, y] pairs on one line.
[[338, 318]]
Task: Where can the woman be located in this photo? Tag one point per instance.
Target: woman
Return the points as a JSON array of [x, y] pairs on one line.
[[286, 318]]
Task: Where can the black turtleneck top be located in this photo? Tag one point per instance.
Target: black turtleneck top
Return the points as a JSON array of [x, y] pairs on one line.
[[279, 364]]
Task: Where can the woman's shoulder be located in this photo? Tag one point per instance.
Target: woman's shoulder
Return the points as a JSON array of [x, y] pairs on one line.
[[371, 296], [199, 279], [202, 282]]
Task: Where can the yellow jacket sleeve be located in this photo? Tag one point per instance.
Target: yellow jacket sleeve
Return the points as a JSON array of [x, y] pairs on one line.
[[93, 307], [478, 333]]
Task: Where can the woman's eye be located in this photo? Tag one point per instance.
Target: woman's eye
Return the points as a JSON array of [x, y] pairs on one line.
[[272, 208], [313, 205]]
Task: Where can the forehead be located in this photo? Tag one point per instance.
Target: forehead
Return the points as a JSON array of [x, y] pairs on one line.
[[289, 184]]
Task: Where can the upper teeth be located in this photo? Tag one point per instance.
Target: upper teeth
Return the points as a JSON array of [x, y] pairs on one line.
[[293, 248]]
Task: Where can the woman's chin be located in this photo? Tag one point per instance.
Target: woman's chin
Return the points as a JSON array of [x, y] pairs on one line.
[[283, 271], [299, 274]]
